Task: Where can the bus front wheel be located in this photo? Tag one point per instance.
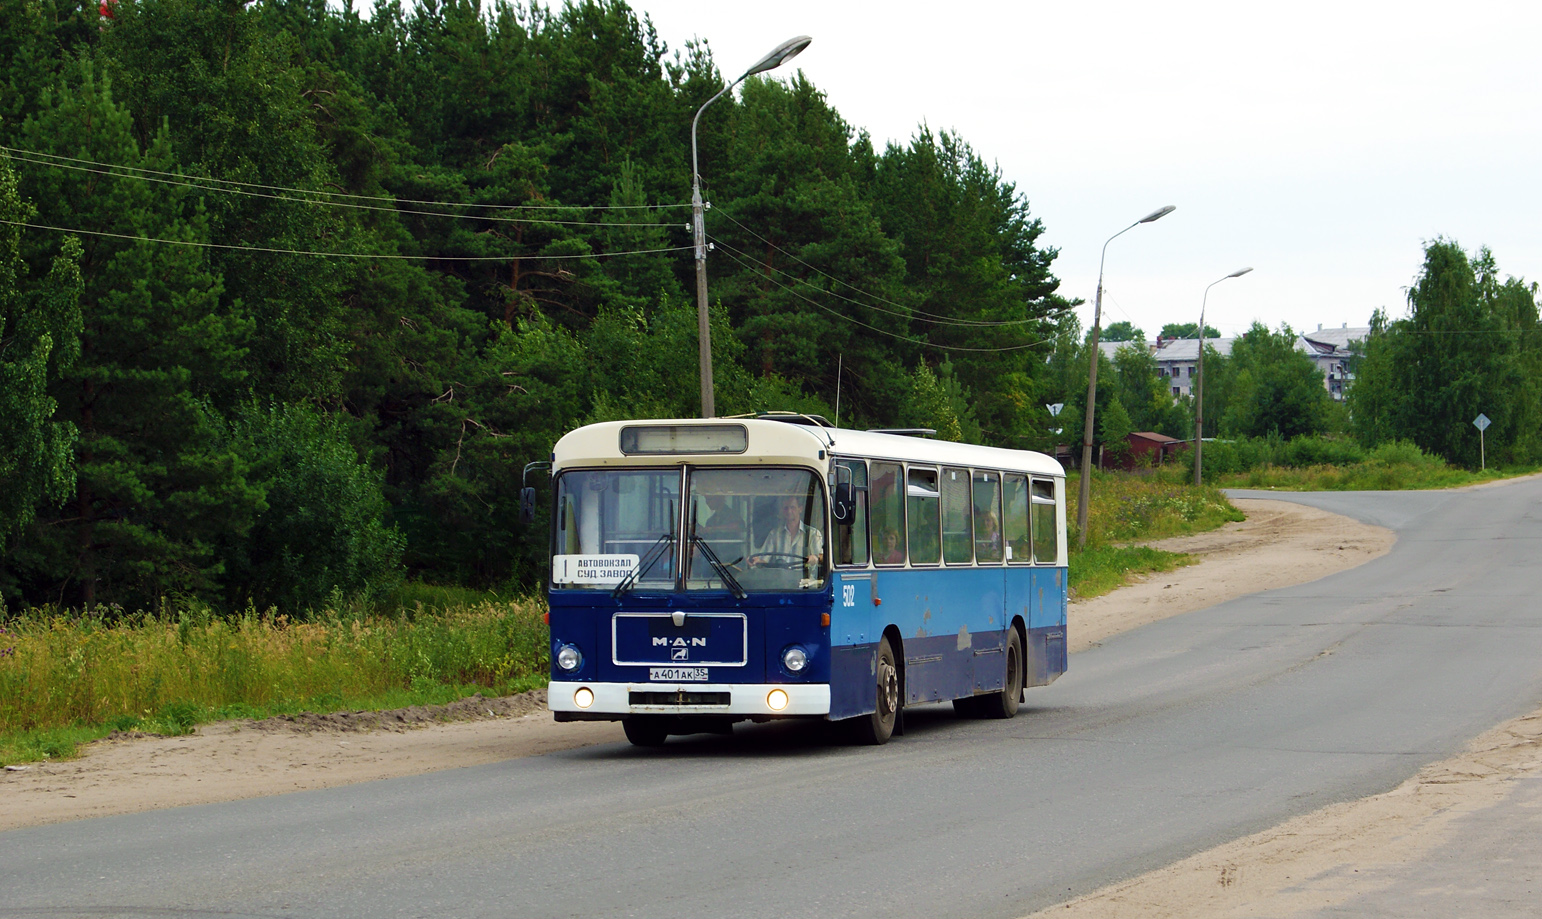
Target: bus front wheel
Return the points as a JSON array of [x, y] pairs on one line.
[[645, 730], [878, 727]]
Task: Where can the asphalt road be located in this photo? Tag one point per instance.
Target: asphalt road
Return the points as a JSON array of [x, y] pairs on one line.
[[1159, 743]]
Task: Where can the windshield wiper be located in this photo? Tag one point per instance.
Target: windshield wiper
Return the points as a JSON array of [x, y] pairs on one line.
[[717, 565], [648, 561]]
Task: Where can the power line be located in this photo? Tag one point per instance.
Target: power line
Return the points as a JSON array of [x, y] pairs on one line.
[[915, 341], [910, 312], [365, 255], [917, 315], [200, 183]]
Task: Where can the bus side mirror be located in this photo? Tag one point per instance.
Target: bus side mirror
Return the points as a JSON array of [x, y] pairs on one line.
[[527, 492], [843, 508]]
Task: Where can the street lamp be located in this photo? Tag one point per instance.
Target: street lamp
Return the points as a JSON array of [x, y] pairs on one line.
[[778, 56], [1092, 379], [1199, 377]]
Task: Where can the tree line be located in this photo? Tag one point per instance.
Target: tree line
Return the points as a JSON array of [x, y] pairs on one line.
[[1469, 345], [320, 284]]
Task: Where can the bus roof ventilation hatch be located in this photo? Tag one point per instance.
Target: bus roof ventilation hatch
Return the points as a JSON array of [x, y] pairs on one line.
[[905, 432]]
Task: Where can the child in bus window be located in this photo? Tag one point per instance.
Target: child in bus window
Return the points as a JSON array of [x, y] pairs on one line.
[[987, 543]]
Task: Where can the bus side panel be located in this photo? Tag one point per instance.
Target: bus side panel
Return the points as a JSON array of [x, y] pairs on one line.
[[1046, 652], [951, 624]]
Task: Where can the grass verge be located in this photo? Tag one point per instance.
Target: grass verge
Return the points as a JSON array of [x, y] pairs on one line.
[[1097, 571], [69, 678], [1368, 476]]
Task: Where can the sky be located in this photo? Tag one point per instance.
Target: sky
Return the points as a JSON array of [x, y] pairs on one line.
[[1321, 144]]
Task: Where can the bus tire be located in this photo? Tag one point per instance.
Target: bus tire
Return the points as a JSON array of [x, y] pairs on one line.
[[878, 727], [1004, 704], [645, 730]]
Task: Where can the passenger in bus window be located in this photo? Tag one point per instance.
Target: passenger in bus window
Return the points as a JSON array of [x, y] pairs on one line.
[[792, 537], [891, 552], [987, 531]]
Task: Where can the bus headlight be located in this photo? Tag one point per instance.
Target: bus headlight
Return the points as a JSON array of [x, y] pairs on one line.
[[776, 699], [584, 697], [794, 659], [569, 658]]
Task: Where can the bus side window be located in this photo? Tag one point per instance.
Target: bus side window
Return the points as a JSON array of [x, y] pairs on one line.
[[1046, 547], [1014, 520], [851, 534], [925, 524], [888, 514], [957, 537], [987, 518]]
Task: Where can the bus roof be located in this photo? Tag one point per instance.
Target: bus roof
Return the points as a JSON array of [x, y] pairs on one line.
[[779, 442]]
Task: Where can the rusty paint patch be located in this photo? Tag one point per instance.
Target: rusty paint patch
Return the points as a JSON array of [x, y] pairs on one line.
[[964, 639]]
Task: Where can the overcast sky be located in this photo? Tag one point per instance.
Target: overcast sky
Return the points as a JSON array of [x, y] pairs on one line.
[[1319, 143]]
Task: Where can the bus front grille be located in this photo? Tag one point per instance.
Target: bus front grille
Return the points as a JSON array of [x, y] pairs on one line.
[[680, 697]]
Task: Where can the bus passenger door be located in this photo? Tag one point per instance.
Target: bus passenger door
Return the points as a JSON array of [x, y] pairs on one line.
[[852, 644]]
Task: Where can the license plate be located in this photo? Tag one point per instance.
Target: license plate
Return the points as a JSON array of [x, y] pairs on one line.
[[678, 674]]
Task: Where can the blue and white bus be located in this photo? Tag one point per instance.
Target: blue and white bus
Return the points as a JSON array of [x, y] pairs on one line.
[[705, 572]]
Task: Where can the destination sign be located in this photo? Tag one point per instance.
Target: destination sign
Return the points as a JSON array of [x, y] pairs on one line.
[[591, 569]]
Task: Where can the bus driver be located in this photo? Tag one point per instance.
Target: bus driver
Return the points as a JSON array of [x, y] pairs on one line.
[[792, 537]]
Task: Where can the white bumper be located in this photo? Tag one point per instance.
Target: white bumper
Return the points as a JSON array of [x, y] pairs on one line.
[[743, 698]]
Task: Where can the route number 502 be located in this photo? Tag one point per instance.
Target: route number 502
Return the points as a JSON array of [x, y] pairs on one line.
[[848, 595]]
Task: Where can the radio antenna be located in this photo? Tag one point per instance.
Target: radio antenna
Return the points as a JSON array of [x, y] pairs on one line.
[[839, 360]]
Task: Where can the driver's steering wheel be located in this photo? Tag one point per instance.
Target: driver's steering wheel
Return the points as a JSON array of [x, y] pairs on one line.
[[781, 559]]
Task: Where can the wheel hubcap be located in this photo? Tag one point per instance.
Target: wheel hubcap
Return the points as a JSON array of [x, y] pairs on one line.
[[888, 687]]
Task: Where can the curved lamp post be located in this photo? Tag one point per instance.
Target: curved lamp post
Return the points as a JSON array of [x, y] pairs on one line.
[[1199, 378], [778, 56], [1092, 379]]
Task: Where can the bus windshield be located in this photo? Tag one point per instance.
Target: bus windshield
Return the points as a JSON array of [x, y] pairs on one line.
[[746, 529], [762, 528]]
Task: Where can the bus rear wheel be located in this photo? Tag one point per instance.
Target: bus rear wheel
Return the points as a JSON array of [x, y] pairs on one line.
[[878, 727], [645, 730], [1004, 704]]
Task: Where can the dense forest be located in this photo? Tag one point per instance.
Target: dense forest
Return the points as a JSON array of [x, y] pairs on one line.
[[289, 295]]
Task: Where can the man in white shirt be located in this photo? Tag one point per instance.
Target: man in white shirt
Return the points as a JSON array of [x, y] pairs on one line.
[[792, 537]]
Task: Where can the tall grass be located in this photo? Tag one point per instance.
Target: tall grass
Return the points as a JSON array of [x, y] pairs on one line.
[[1130, 507], [1137, 506], [168, 669]]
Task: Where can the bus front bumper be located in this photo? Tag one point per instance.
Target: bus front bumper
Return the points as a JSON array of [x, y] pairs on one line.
[[740, 700]]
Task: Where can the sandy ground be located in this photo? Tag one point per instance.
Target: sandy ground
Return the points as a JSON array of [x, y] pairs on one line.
[[1296, 867]]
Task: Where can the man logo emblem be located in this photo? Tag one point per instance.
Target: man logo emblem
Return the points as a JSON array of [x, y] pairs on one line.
[[680, 654]]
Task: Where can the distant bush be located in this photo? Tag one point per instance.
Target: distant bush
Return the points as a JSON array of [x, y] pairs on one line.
[[1332, 464], [1404, 453], [1321, 451]]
